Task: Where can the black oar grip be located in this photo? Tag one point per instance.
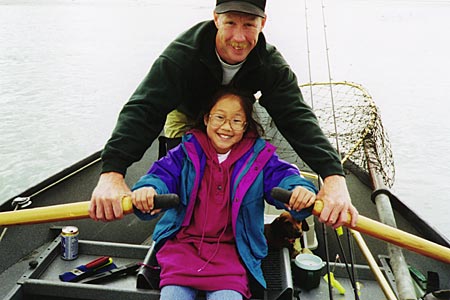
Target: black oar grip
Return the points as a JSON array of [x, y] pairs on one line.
[[281, 194], [166, 201]]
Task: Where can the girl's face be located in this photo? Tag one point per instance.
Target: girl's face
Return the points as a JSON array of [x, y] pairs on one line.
[[226, 123]]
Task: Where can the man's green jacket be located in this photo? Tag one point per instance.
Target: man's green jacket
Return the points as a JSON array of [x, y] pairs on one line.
[[186, 76]]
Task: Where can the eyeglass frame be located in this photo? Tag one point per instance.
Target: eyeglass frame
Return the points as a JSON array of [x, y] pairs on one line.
[[211, 117]]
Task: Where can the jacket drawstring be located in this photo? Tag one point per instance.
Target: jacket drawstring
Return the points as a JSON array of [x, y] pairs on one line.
[[204, 226], [218, 241]]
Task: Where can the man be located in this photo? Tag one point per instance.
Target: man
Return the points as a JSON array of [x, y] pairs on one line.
[[231, 49]]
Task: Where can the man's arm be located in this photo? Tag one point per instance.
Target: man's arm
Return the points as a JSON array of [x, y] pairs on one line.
[[296, 121], [139, 123], [298, 124], [142, 117], [315, 149]]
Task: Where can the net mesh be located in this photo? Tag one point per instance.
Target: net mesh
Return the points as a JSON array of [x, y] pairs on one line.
[[354, 128]]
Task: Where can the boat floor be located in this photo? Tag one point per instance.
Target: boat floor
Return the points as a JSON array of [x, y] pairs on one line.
[[369, 290], [42, 281]]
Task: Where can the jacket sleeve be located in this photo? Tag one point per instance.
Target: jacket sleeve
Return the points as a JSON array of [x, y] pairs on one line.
[[165, 172], [163, 176], [295, 119], [142, 117], [279, 173]]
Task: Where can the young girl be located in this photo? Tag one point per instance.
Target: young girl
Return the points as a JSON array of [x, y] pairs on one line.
[[223, 172]]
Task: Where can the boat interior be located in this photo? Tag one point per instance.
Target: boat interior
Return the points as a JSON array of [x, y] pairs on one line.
[[32, 270]]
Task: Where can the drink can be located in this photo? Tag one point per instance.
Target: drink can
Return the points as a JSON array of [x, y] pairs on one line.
[[69, 242]]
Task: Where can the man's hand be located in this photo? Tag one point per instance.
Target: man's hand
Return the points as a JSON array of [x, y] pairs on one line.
[[337, 202], [106, 204]]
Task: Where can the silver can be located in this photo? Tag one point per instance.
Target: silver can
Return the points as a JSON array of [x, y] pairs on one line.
[[69, 243]]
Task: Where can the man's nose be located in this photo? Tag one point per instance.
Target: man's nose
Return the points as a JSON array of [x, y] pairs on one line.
[[239, 34]]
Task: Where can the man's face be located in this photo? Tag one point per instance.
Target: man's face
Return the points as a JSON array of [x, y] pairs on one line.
[[237, 35]]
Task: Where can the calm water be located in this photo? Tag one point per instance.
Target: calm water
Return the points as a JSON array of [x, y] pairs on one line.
[[68, 66]]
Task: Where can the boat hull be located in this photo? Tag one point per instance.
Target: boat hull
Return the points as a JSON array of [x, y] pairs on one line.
[[24, 244]]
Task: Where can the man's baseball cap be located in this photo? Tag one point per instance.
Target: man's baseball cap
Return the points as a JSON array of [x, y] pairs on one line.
[[253, 7]]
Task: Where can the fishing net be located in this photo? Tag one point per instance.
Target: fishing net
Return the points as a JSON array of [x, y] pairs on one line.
[[355, 127]]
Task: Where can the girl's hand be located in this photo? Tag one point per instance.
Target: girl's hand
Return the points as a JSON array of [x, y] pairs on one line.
[[301, 198], [143, 200]]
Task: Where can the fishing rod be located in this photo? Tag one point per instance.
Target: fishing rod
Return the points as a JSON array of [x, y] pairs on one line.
[[352, 276]]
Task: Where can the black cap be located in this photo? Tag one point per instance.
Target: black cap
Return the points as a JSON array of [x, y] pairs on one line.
[[253, 7]]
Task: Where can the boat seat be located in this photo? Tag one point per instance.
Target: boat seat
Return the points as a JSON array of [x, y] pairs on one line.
[[165, 144], [276, 269]]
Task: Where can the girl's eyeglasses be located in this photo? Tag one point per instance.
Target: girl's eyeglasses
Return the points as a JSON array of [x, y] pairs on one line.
[[235, 124]]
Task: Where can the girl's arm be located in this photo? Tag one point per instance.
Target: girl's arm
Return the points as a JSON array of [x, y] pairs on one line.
[[279, 173], [162, 178]]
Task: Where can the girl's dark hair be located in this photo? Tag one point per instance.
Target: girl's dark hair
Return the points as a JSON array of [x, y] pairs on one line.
[[247, 100]]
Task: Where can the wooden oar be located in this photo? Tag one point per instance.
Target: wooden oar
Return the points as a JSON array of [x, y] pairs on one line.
[[383, 232], [395, 236], [72, 211]]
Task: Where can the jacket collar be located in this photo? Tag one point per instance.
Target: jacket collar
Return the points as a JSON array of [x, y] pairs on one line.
[[237, 151]]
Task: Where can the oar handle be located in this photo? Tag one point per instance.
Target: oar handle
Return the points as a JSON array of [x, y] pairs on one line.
[[127, 204], [163, 201], [280, 194], [166, 201], [74, 211], [284, 196], [381, 231], [319, 206]]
